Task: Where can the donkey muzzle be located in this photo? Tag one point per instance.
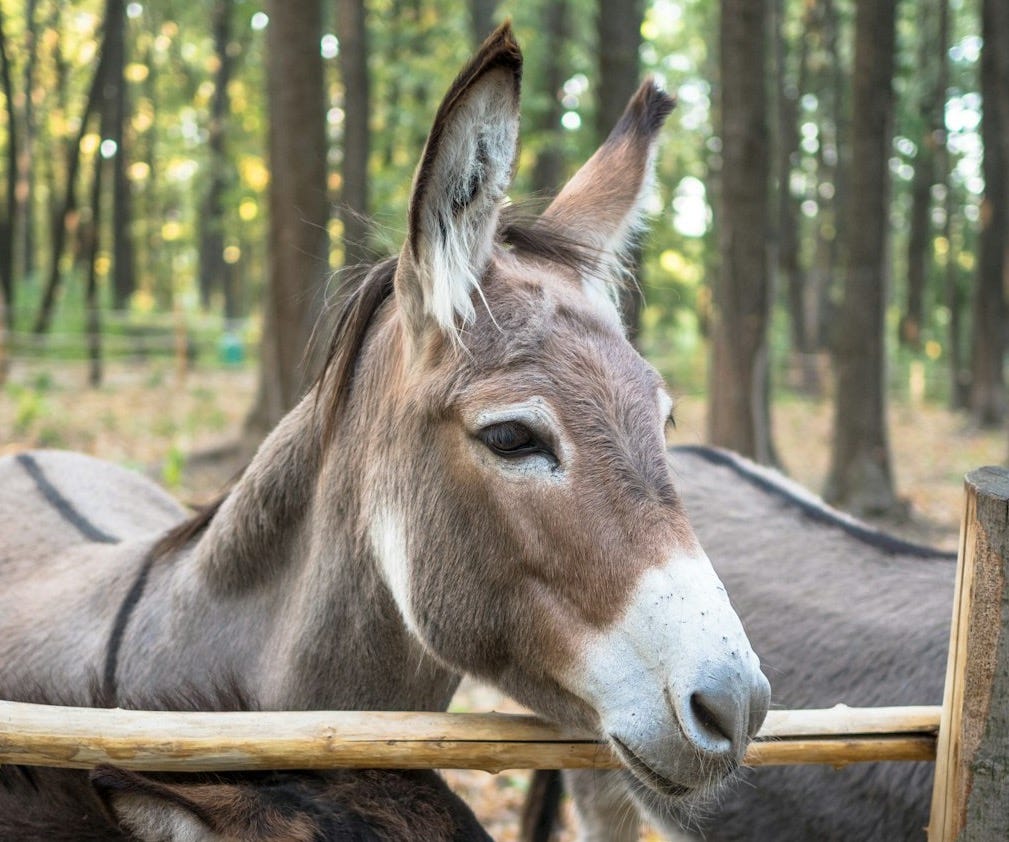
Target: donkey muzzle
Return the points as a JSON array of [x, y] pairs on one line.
[[678, 690]]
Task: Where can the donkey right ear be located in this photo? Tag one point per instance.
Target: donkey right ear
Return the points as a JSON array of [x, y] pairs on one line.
[[458, 188], [150, 810], [603, 203]]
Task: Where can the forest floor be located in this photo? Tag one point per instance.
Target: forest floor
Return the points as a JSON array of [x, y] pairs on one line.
[[148, 417]]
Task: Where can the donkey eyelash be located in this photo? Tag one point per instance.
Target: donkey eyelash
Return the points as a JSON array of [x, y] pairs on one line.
[[514, 440]]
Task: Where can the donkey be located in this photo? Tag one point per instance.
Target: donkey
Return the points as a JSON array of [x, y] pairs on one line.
[[477, 483], [840, 613], [115, 805]]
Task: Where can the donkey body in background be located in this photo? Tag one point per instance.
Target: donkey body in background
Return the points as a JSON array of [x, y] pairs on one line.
[[840, 613], [476, 484]]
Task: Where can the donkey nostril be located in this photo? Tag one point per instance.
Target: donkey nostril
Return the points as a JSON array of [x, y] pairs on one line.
[[713, 715]]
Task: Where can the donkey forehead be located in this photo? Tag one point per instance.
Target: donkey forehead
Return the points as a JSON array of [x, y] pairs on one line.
[[549, 323]]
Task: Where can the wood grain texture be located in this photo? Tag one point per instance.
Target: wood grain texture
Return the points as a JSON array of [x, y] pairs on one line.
[[43, 735], [971, 788]]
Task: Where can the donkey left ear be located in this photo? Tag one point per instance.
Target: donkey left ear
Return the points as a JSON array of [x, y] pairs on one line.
[[462, 178], [603, 203]]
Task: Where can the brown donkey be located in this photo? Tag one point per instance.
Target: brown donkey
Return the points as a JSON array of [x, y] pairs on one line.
[[115, 805], [476, 484], [341, 805]]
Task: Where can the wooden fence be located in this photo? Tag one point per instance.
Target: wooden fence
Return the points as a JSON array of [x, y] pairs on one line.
[[968, 736]]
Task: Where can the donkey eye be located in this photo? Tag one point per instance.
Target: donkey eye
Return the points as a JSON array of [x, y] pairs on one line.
[[511, 438]]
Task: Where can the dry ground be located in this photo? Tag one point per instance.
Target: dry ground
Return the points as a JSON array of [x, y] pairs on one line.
[[149, 418]]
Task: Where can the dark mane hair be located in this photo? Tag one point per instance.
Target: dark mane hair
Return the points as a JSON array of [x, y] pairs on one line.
[[363, 293]]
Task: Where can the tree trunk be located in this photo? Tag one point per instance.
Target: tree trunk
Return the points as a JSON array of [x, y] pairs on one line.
[[987, 393], [124, 278], [354, 207], [219, 165], [299, 210], [11, 208], [931, 115], [959, 378], [860, 476], [26, 175], [790, 86], [618, 26], [92, 306], [481, 19], [548, 173], [69, 203], [833, 170], [738, 416]]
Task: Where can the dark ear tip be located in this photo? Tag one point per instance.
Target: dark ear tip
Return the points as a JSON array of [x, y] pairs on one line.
[[646, 111], [500, 48], [107, 778], [655, 98]]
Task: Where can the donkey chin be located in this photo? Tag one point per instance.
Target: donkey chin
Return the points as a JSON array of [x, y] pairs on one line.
[[677, 688]]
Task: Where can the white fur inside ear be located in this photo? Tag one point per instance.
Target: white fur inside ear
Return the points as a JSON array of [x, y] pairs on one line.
[[153, 820], [603, 293], [466, 183], [618, 269]]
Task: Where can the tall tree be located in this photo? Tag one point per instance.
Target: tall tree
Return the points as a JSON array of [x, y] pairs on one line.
[[10, 212], [618, 28], [220, 166], [481, 19], [352, 30], [860, 477], [832, 163], [930, 119], [91, 233], [790, 71], [987, 392], [115, 106], [959, 378], [548, 173], [299, 210], [738, 415], [66, 208], [26, 175]]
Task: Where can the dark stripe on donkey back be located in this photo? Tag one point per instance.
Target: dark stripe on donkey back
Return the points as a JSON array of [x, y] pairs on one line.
[[819, 513], [62, 505]]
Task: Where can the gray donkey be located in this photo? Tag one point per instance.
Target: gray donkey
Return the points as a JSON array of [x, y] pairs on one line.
[[476, 484], [841, 613]]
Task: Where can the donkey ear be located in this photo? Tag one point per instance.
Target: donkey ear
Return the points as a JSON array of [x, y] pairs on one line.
[[603, 203], [150, 810], [462, 178]]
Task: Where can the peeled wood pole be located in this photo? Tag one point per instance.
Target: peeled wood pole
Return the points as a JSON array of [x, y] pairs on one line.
[[970, 799], [41, 735]]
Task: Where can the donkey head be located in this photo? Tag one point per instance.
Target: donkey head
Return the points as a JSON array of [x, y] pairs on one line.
[[521, 510]]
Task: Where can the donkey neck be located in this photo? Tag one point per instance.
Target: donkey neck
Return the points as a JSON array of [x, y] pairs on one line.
[[249, 540], [290, 543]]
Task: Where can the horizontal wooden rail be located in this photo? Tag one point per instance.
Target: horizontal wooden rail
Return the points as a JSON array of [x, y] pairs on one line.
[[43, 735]]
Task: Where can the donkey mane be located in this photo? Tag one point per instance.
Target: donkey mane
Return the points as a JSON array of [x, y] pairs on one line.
[[363, 293], [814, 509]]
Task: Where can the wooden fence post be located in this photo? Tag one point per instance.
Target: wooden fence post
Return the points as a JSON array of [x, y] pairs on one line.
[[970, 799]]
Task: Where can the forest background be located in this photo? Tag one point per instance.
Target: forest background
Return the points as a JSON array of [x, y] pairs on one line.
[[823, 283]]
